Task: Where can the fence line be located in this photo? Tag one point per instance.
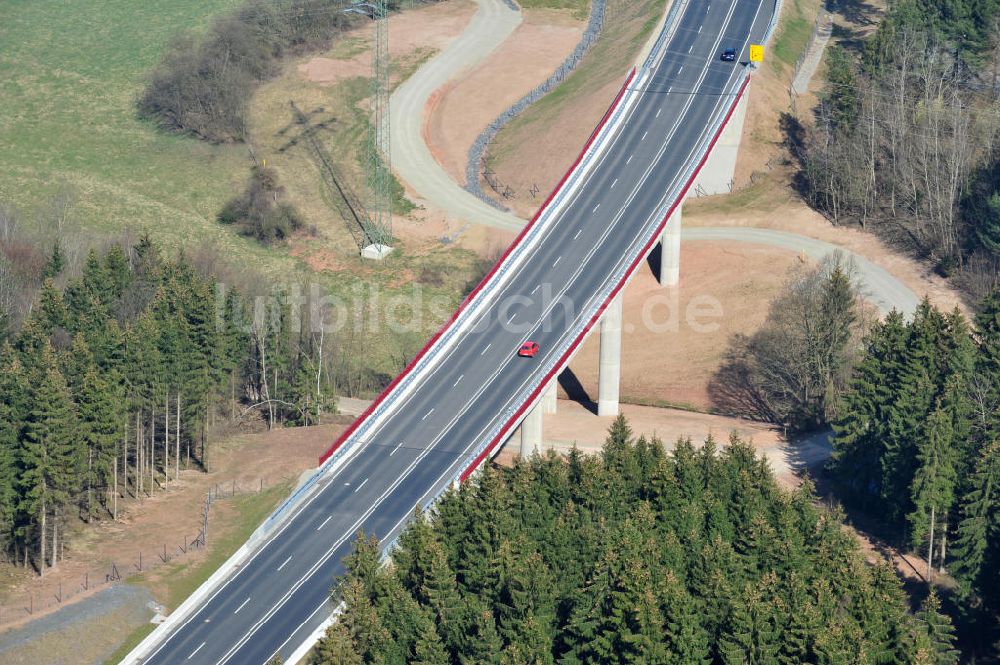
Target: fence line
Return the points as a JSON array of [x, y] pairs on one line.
[[478, 150], [823, 26], [117, 572]]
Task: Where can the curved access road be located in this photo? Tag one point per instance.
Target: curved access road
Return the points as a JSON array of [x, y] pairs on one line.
[[877, 285], [467, 390], [490, 26], [412, 159]]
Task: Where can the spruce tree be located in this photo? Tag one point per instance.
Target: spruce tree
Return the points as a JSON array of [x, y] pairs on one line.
[[933, 482], [750, 636], [54, 266], [101, 419], [49, 463], [979, 528], [52, 313], [439, 592], [14, 406], [429, 650], [987, 372], [934, 630], [482, 644], [684, 637], [336, 647]]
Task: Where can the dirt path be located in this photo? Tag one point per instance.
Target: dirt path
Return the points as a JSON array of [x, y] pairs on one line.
[[525, 59], [414, 160], [879, 286], [411, 157]]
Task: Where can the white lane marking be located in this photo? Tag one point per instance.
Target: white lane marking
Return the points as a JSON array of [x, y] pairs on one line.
[[324, 603], [699, 29], [458, 380], [577, 234], [658, 112], [670, 88], [430, 412], [511, 317], [399, 480], [614, 183], [690, 47], [361, 485], [595, 208], [242, 605], [318, 528], [323, 559], [644, 136], [447, 472], [196, 651], [535, 289], [482, 353], [629, 159], [557, 261], [681, 69], [284, 562], [398, 445]]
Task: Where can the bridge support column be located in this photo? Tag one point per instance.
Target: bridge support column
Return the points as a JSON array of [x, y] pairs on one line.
[[610, 368], [718, 174], [531, 431], [549, 397], [670, 250]]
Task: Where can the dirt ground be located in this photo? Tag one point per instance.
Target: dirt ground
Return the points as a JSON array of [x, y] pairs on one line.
[[533, 152], [169, 518], [459, 111], [673, 339], [422, 29], [331, 90]]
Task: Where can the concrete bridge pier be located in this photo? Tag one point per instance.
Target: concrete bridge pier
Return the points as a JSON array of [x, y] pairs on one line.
[[718, 174], [549, 400], [670, 249], [610, 367], [531, 431]]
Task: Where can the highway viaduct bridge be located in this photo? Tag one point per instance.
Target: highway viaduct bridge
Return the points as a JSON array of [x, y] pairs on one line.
[[467, 391]]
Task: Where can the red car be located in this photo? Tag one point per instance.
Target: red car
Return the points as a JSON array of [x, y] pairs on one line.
[[528, 350]]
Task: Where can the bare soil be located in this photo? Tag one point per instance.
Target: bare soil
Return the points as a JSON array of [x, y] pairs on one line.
[[414, 31], [458, 112], [669, 350], [532, 153]]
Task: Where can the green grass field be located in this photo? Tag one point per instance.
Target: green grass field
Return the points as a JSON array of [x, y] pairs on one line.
[[580, 8], [70, 74], [69, 77], [793, 33]]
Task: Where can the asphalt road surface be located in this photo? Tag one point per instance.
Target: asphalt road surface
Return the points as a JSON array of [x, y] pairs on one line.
[[280, 594]]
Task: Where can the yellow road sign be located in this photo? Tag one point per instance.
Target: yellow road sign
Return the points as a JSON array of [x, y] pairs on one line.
[[756, 53]]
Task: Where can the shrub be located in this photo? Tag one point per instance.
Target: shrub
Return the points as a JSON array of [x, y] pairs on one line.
[[259, 212], [203, 85]]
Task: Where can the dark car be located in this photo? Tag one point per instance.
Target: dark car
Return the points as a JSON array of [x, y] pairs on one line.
[[729, 55]]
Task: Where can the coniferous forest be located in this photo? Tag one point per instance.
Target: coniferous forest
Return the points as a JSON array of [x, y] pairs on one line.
[[635, 556], [109, 383], [918, 443]]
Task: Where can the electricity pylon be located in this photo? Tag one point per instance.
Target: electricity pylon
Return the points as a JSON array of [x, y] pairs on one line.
[[378, 230]]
